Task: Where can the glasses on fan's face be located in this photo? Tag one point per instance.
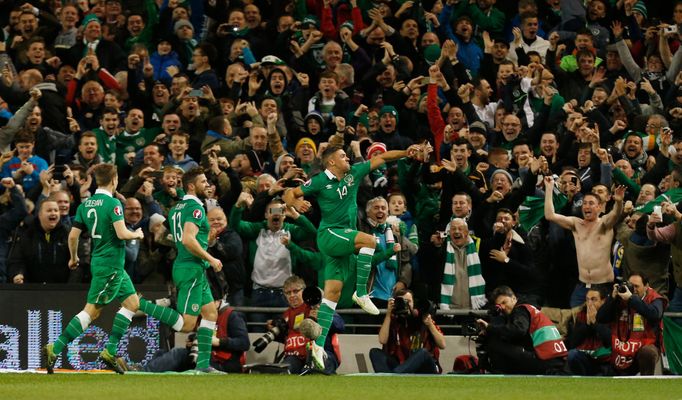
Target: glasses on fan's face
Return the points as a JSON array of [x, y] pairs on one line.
[[292, 292]]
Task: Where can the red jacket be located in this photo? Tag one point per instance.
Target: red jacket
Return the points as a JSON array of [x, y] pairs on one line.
[[630, 332]]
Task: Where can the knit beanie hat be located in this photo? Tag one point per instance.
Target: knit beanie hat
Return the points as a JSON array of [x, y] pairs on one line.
[[389, 110], [374, 149], [501, 171], [307, 141], [90, 18], [182, 23], [279, 162], [640, 7]]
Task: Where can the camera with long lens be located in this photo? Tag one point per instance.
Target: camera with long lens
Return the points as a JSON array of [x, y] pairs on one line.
[[426, 307], [624, 285], [312, 296], [193, 347], [278, 331]]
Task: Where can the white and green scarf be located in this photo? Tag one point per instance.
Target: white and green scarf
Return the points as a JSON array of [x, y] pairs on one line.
[[476, 281]]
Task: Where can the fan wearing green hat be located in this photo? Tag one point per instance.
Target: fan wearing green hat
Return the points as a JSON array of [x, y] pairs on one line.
[[110, 56], [388, 130], [310, 42]]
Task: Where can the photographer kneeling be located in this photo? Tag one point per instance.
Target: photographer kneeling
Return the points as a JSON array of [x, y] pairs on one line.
[[521, 339], [411, 340], [297, 334]]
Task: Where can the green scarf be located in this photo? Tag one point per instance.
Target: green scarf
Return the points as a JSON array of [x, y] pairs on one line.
[[476, 281]]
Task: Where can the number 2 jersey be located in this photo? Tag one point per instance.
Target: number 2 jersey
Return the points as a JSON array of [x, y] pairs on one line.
[[97, 215], [190, 209]]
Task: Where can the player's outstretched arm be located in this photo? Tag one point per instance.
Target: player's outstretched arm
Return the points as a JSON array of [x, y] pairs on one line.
[[124, 234], [294, 198], [416, 151]]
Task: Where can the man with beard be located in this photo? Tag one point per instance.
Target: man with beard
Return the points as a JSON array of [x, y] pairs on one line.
[[87, 155], [633, 151], [593, 237], [272, 261], [190, 229]]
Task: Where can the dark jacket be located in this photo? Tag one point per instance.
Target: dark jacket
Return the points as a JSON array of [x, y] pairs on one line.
[[9, 220], [39, 258], [228, 248]]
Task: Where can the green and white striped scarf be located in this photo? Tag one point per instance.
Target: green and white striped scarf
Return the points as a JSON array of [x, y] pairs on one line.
[[476, 281]]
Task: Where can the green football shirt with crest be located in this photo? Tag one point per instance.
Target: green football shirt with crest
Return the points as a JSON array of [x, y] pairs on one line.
[[97, 215], [337, 199], [190, 209]]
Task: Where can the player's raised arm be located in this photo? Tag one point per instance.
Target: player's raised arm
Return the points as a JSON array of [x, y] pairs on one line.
[[294, 198]]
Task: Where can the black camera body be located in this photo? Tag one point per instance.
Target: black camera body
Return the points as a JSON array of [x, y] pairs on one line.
[[279, 330], [623, 285], [400, 308]]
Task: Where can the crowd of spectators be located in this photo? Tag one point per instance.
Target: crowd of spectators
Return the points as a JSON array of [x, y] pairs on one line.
[[507, 92]]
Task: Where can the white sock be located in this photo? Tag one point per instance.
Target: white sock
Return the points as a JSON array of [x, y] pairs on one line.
[[127, 313], [207, 324], [85, 319]]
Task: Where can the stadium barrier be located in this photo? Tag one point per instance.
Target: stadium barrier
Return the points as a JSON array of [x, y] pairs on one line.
[[33, 315]]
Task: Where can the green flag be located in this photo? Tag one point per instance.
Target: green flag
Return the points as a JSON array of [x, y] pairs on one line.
[[671, 196], [672, 339], [532, 210]]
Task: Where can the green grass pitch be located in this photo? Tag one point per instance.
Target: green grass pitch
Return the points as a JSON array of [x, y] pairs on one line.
[[244, 387]]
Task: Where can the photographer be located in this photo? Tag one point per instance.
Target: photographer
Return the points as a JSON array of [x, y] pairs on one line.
[[296, 336], [521, 339], [228, 352], [634, 311], [411, 340]]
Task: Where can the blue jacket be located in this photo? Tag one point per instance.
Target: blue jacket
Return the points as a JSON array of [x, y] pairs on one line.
[[29, 181], [160, 63]]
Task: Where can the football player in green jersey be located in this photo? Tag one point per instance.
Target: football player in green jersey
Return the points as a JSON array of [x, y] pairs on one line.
[[338, 239], [189, 228], [102, 216]]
